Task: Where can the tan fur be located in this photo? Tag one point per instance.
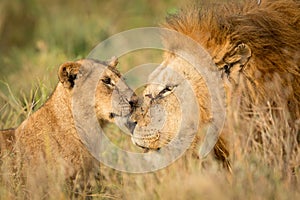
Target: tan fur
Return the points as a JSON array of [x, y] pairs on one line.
[[255, 48], [49, 135], [7, 139]]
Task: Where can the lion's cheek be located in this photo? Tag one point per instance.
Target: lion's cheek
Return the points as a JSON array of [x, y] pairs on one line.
[[103, 112]]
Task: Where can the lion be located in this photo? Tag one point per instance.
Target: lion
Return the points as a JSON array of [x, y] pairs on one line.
[[255, 49], [50, 134]]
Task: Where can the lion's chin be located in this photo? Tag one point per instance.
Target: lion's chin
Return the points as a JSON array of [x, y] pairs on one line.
[[151, 140], [147, 146], [146, 149]]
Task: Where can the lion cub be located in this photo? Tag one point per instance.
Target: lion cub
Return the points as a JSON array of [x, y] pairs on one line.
[[50, 134]]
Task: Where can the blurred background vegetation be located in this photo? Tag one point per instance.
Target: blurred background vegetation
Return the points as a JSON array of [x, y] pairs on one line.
[[36, 36]]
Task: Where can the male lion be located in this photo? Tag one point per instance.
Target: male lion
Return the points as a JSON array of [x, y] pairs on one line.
[[50, 134], [254, 46]]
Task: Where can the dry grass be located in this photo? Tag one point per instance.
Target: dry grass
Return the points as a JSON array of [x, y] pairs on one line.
[[265, 162]]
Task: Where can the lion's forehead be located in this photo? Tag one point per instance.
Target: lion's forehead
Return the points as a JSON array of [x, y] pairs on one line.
[[91, 62], [165, 75], [90, 66]]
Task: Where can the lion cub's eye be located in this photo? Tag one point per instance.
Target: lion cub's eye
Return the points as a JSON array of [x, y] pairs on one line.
[[108, 81]]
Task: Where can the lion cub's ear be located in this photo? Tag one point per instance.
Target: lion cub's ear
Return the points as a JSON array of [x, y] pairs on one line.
[[113, 62], [67, 74]]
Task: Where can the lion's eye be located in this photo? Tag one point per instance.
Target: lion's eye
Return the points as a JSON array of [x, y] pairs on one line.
[[227, 69], [108, 81], [166, 91]]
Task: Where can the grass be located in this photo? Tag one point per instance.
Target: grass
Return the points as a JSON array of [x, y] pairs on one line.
[[37, 36]]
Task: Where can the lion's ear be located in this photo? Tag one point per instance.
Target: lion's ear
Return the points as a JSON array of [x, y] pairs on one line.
[[67, 74], [243, 53], [113, 62], [239, 55]]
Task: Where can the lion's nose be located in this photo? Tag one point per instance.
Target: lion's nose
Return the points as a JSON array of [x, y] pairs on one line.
[[133, 102]]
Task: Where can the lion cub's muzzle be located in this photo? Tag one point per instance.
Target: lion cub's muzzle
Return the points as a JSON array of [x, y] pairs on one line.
[[134, 104], [123, 119], [130, 124]]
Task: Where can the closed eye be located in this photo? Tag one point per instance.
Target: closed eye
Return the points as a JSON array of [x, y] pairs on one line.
[[163, 93], [166, 91]]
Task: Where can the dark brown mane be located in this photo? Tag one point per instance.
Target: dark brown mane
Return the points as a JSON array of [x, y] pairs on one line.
[[271, 29]]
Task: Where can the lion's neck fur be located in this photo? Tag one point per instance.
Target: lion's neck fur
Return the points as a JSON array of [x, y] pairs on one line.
[[51, 129], [56, 110]]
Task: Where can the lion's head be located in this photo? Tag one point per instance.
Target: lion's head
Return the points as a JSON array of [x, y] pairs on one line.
[[254, 47], [171, 90], [113, 99]]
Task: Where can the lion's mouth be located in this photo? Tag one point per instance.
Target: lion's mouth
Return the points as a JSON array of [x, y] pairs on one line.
[[113, 115], [146, 149], [147, 142]]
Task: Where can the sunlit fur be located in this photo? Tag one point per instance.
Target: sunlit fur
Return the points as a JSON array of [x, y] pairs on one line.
[[49, 137]]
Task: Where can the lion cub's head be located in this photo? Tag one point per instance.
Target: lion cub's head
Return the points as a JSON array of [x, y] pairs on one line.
[[102, 83]]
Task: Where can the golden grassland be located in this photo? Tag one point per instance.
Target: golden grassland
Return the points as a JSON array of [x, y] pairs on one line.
[[37, 36]]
